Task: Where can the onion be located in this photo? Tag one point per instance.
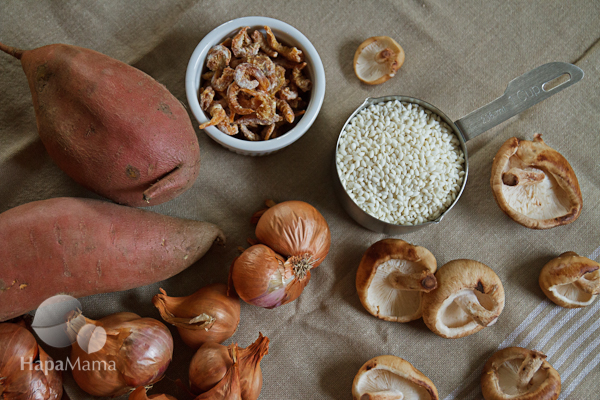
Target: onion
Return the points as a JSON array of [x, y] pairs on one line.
[[209, 366], [227, 388], [295, 239], [208, 315], [26, 371], [136, 353], [217, 371], [295, 229]]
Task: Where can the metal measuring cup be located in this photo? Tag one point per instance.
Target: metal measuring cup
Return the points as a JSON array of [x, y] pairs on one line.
[[520, 94]]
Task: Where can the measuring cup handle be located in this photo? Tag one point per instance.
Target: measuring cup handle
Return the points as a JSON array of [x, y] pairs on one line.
[[520, 94]]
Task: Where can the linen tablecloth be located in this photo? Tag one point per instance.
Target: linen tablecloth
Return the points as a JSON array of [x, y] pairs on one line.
[[459, 56]]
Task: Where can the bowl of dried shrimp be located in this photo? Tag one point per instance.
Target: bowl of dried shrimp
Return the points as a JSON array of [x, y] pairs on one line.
[[255, 85]]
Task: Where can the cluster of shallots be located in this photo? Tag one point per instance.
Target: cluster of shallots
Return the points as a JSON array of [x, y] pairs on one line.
[[294, 238], [254, 86]]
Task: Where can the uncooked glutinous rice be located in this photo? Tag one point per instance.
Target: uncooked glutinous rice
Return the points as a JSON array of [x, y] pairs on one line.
[[400, 163]]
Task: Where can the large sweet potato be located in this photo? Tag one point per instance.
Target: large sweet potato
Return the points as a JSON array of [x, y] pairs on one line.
[[109, 126], [82, 247]]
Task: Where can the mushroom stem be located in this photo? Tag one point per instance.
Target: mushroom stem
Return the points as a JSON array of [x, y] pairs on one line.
[[529, 367], [384, 55], [470, 305], [383, 395], [590, 286], [518, 176], [423, 281]]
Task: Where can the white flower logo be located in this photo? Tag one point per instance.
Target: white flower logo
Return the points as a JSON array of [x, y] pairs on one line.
[[59, 322]]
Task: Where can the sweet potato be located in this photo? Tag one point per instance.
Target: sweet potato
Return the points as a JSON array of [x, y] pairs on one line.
[[109, 126], [82, 247]]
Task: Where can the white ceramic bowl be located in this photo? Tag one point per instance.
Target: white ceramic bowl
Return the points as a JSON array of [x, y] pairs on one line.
[[287, 34]]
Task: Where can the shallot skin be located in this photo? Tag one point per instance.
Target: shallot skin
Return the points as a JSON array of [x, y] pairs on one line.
[[33, 381], [219, 372], [251, 379], [294, 228], [137, 353], [220, 314], [208, 366], [295, 239], [260, 278]]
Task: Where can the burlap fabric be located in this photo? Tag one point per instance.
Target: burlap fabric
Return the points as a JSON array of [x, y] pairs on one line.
[[459, 56]]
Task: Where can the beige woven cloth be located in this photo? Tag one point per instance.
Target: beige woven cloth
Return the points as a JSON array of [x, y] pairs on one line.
[[459, 56]]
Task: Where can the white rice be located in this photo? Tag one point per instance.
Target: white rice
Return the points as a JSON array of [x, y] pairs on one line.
[[400, 163]]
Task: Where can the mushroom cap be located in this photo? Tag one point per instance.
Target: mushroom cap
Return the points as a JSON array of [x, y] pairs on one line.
[[500, 376], [565, 278], [393, 374], [553, 201], [373, 285], [377, 59], [459, 280]]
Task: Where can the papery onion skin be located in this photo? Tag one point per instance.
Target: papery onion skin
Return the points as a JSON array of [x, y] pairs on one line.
[[229, 387], [219, 372], [30, 383], [139, 349], [295, 228], [208, 366], [211, 300], [251, 379], [261, 277]]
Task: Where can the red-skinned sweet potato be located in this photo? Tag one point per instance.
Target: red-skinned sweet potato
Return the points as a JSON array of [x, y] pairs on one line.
[[82, 247], [109, 126]]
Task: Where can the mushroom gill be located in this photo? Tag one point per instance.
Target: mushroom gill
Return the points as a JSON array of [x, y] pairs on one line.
[[534, 184]]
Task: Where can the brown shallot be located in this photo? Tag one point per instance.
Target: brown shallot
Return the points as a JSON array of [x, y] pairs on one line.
[[209, 366], [136, 353], [295, 238], [26, 371], [208, 315], [228, 372]]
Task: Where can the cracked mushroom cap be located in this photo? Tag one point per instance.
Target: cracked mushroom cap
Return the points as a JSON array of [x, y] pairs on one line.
[[392, 378], [468, 298], [377, 59], [535, 185], [570, 280], [392, 277], [519, 374]]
